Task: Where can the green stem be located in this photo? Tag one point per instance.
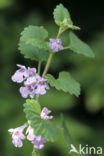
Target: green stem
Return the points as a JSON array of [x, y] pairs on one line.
[[48, 64], [35, 153], [39, 67], [66, 48], [61, 30], [39, 70]]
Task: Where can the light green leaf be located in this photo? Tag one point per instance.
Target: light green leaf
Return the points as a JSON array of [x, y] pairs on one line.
[[65, 82], [79, 46], [32, 43], [62, 17], [45, 128], [32, 105]]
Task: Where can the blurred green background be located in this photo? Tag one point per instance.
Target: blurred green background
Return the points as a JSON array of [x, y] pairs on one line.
[[84, 116]]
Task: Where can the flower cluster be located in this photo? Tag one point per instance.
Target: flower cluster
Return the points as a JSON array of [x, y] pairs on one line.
[[33, 83], [56, 44], [37, 141]]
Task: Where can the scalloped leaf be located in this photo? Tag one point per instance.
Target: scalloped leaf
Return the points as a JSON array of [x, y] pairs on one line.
[[78, 46], [62, 17], [33, 32], [45, 128], [65, 82], [33, 53], [32, 43]]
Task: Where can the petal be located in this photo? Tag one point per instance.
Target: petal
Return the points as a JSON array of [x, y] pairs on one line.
[[24, 92], [11, 130], [37, 147], [44, 140], [31, 71], [30, 80], [17, 142], [58, 41], [52, 40], [17, 77]]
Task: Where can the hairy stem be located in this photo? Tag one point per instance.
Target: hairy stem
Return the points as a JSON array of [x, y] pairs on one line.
[[48, 64]]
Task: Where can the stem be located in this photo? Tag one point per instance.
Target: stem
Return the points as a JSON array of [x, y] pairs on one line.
[[37, 97], [61, 30], [35, 153], [39, 67], [48, 64], [66, 48]]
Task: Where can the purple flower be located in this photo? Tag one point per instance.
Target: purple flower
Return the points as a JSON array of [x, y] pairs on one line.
[[23, 73], [41, 86], [20, 75], [17, 136], [44, 114], [56, 44], [33, 83], [32, 80], [39, 142], [27, 90], [31, 71]]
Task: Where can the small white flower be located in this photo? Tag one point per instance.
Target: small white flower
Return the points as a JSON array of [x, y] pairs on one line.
[[30, 132], [44, 114], [17, 135]]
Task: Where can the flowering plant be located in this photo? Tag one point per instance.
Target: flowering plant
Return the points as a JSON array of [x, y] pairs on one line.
[[33, 45]]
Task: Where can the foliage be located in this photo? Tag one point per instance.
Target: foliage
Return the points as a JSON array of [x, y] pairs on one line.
[[79, 46], [62, 18], [41, 127], [32, 43], [65, 82], [86, 72]]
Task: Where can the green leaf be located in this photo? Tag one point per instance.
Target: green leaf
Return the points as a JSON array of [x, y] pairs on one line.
[[62, 17], [45, 128], [32, 105], [65, 82], [34, 53], [33, 45], [33, 32], [79, 46], [65, 130]]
